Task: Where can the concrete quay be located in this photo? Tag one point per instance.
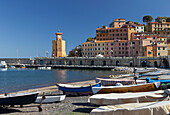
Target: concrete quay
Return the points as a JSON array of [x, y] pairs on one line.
[[82, 62]]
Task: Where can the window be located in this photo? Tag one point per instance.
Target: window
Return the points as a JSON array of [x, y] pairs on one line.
[[119, 52], [111, 48], [98, 48], [158, 48], [117, 34], [111, 52], [137, 27], [136, 52], [149, 52], [119, 48], [113, 30], [111, 44], [113, 34], [167, 24], [141, 27], [119, 44], [163, 48], [159, 54], [123, 44], [98, 44]]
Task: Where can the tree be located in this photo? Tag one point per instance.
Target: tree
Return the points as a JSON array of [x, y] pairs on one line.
[[147, 18], [168, 19], [90, 38], [144, 27]]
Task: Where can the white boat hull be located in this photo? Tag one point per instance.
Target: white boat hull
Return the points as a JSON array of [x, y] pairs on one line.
[[50, 99]]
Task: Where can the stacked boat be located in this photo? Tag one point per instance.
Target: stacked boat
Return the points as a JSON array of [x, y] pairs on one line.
[[133, 99]]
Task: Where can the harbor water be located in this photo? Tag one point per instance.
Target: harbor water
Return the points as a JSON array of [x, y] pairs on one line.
[[12, 80]]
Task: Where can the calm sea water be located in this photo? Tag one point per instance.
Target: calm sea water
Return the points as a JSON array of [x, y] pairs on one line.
[[22, 79]]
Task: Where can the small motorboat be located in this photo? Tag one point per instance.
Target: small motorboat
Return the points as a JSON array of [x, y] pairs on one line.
[[3, 64], [50, 99]]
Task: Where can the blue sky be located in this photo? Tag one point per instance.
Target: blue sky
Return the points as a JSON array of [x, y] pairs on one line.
[[30, 25]]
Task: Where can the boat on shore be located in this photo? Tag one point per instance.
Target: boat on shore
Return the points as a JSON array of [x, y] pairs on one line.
[[122, 98], [77, 90], [127, 88], [149, 108], [112, 82], [50, 99], [152, 81], [18, 99]]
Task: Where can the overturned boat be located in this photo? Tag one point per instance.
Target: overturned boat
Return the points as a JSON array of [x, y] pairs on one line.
[[150, 108], [122, 98]]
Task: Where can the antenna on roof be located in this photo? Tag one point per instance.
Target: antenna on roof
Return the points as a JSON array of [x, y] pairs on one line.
[[58, 30]]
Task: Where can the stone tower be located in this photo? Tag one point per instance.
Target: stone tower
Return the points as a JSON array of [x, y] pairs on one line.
[[58, 46]]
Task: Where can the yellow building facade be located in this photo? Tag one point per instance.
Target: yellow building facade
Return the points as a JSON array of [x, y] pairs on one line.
[[58, 46]]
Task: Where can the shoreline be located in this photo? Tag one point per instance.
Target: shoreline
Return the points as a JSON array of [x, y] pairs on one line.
[[71, 105], [53, 87]]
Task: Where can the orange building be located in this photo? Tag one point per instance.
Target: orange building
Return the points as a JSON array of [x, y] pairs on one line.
[[58, 46]]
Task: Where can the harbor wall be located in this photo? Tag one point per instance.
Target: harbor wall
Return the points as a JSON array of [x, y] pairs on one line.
[[92, 61]]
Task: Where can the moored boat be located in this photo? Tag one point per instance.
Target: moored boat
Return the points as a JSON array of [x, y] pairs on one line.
[[149, 108], [77, 90], [127, 88], [3, 64], [50, 99]]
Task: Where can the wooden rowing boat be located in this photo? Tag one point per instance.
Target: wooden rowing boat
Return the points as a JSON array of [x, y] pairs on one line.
[[149, 108], [18, 99], [50, 99], [112, 82], [135, 97], [77, 90], [127, 88]]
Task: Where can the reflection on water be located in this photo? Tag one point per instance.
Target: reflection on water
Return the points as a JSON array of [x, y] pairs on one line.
[[61, 75], [3, 69], [22, 79]]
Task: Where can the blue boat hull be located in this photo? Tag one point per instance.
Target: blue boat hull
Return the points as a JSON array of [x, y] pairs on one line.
[[151, 81], [78, 91]]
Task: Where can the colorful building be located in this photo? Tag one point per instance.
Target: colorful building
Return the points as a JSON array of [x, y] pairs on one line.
[[93, 48], [160, 28], [58, 46]]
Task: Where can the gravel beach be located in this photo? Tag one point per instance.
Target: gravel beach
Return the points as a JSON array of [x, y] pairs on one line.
[[76, 105]]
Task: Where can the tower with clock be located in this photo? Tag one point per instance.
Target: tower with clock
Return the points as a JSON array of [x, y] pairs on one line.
[[58, 46]]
